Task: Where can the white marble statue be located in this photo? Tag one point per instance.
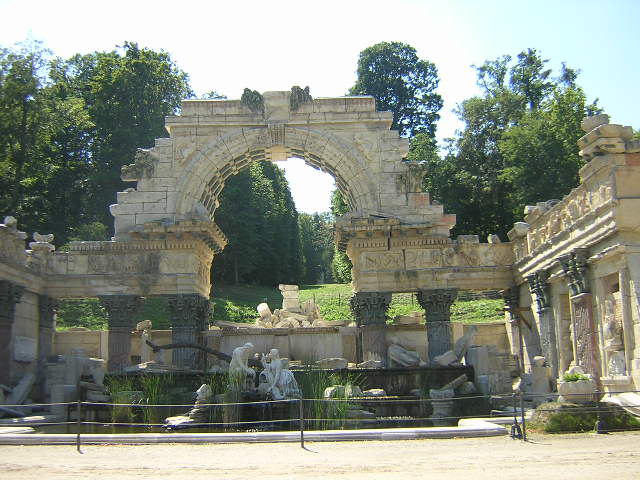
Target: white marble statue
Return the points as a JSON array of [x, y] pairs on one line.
[[242, 376], [276, 379]]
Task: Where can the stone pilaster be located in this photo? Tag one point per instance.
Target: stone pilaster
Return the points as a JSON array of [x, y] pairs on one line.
[[120, 311], [437, 305], [189, 318], [539, 285], [370, 312], [46, 329], [585, 336], [10, 294]]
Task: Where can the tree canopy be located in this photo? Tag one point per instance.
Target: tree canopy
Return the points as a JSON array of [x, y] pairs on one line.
[[67, 126], [518, 145], [402, 83]]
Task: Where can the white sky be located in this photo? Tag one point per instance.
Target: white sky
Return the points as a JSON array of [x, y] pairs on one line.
[[271, 45]]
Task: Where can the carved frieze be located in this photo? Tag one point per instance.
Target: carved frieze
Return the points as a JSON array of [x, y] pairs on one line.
[[563, 215]]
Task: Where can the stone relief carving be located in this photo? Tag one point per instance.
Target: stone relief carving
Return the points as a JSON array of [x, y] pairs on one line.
[[411, 180], [365, 145], [143, 166], [382, 261], [298, 97], [183, 150], [253, 100], [613, 337], [580, 203]]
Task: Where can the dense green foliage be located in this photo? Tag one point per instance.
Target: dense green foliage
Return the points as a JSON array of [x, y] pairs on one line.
[[260, 220], [518, 145], [67, 126], [89, 313], [316, 237], [238, 303], [340, 263], [402, 83]]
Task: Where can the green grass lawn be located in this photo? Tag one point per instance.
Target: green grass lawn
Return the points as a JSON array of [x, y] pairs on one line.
[[237, 303]]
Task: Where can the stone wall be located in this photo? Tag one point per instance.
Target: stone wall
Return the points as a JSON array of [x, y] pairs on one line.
[[306, 345]]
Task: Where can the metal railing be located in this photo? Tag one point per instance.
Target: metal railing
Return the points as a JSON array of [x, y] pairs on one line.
[[327, 413]]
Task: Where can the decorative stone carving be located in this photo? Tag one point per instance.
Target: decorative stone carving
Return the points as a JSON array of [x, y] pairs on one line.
[[189, 317], [143, 166], [299, 97], [42, 243], [574, 266], [585, 336], [539, 285], [253, 100], [370, 308], [411, 181], [613, 338], [120, 312], [437, 304]]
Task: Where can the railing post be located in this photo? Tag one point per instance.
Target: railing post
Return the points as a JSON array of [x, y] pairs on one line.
[[524, 425], [301, 418], [78, 423], [599, 425], [516, 431]]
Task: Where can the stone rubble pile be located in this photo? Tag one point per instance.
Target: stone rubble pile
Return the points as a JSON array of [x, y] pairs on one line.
[[292, 315]]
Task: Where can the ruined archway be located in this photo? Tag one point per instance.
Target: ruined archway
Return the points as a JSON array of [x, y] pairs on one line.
[[166, 236]]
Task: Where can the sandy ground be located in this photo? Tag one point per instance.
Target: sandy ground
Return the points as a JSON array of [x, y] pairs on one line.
[[582, 457]]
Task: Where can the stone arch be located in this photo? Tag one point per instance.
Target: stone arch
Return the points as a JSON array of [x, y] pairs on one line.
[[207, 169]]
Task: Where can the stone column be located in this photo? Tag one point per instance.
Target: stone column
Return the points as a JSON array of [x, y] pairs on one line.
[[189, 318], [511, 297], [120, 311], [10, 294], [585, 337], [370, 312], [46, 330], [437, 304], [539, 285]]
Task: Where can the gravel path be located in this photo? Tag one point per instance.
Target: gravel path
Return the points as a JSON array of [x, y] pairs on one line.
[[564, 457]]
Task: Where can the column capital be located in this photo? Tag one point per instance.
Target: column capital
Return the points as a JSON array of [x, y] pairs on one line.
[[121, 309], [539, 285], [189, 310], [370, 308], [575, 266], [437, 302], [10, 294]]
